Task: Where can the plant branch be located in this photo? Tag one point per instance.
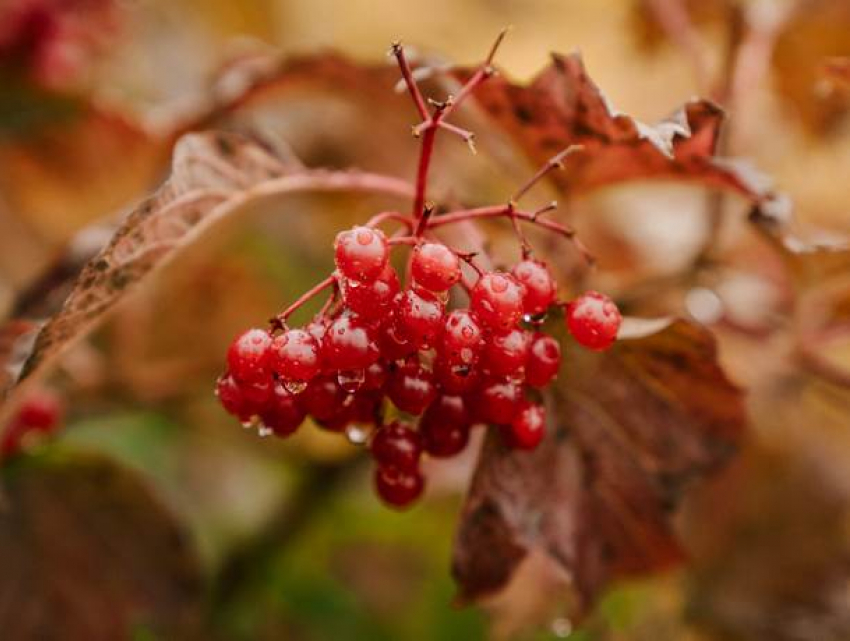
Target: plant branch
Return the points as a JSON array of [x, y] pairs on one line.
[[279, 321]]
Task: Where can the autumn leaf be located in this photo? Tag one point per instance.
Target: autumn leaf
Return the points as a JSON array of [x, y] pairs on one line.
[[630, 430], [64, 517]]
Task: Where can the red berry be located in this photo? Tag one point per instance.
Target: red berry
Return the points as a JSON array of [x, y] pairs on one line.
[[445, 427], [317, 329], [435, 267], [454, 378], [361, 253], [411, 388], [41, 410], [540, 288], [462, 338], [373, 300], [231, 398], [593, 319], [248, 356], [284, 413], [497, 300], [323, 397], [398, 488], [506, 354], [544, 360], [295, 355], [527, 428], [495, 402], [348, 345], [356, 408], [397, 445], [393, 345], [419, 317], [374, 377]]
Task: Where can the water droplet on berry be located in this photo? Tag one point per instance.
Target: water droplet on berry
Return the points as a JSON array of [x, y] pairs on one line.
[[248, 424], [351, 380], [357, 434], [264, 431], [294, 387], [364, 236]]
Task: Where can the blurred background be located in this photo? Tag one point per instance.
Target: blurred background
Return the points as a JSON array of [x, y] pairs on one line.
[[285, 540]]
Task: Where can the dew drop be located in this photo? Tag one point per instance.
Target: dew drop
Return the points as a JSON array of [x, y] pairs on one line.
[[264, 431], [351, 380], [357, 434], [294, 386]]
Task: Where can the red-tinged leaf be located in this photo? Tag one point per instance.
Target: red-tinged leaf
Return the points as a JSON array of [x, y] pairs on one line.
[[629, 430], [87, 553], [214, 175], [562, 106]]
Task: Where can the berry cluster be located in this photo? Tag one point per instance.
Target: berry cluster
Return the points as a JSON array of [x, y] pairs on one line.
[[439, 363]]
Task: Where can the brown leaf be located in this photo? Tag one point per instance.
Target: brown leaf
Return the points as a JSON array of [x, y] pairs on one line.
[[88, 554], [629, 430], [562, 107]]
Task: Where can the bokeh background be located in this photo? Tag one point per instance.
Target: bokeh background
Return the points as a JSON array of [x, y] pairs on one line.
[[90, 96]]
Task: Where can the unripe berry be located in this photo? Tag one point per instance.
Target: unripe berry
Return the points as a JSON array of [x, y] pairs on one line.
[[361, 253], [540, 288], [419, 317], [497, 300], [249, 355], [445, 427], [397, 445], [295, 355], [506, 354], [411, 388], [527, 429], [398, 488], [348, 345], [462, 339], [435, 267], [593, 319], [544, 360]]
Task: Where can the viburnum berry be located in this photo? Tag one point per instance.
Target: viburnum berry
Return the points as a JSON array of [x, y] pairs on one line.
[[594, 320], [454, 378], [397, 445], [411, 388], [527, 429], [497, 300], [232, 399], [257, 392], [495, 402], [435, 267], [540, 288], [323, 397], [283, 413], [374, 377], [419, 317], [359, 407], [373, 300], [361, 253], [544, 360], [462, 338], [398, 488], [505, 354], [295, 355], [348, 345], [249, 355], [445, 427], [393, 345]]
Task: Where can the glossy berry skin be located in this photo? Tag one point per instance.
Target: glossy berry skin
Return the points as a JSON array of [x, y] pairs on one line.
[[348, 345], [232, 399], [398, 488], [397, 445], [506, 354], [284, 413], [249, 355], [544, 360], [445, 427], [411, 388], [374, 377], [295, 355], [373, 300], [453, 378], [593, 319], [393, 345], [323, 397], [497, 301], [435, 267], [496, 402], [462, 338], [361, 253], [540, 287], [419, 317], [527, 429], [356, 408]]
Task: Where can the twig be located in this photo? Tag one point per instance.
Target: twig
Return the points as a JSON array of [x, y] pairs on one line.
[[279, 321]]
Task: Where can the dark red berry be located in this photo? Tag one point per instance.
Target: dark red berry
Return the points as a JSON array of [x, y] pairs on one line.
[[462, 339], [361, 253], [445, 427], [495, 402], [435, 267], [397, 445], [231, 398], [497, 300], [249, 355], [295, 355], [540, 288], [419, 317], [284, 412], [323, 397], [348, 345], [356, 408], [527, 428], [374, 377], [411, 388], [544, 360], [593, 319], [506, 354], [398, 488], [454, 378], [373, 300], [393, 345]]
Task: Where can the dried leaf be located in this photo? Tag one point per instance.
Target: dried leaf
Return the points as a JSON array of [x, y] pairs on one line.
[[630, 429], [88, 554]]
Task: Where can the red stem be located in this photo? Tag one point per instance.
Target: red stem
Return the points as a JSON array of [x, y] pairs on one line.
[[425, 155], [280, 319]]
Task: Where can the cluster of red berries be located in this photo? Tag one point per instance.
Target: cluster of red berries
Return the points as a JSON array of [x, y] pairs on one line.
[[378, 341]]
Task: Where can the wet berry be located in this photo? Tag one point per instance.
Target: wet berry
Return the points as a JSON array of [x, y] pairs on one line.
[[373, 300], [397, 445], [411, 388], [435, 267], [295, 355], [593, 319], [544, 360], [495, 402], [506, 354], [249, 355], [283, 413], [419, 317], [497, 300], [527, 429], [361, 253], [540, 288], [445, 427], [349, 345], [398, 488], [462, 338]]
